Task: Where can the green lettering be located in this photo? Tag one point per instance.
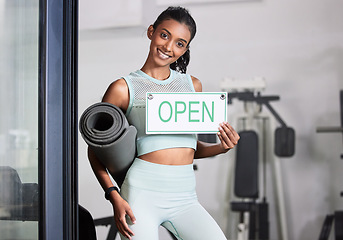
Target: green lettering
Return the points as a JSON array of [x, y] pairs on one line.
[[171, 111], [192, 111], [208, 112], [176, 109]]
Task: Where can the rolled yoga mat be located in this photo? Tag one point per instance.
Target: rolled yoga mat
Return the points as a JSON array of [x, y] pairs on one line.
[[107, 132]]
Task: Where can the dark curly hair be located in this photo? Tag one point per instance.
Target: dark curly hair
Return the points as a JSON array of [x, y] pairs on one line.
[[183, 16]]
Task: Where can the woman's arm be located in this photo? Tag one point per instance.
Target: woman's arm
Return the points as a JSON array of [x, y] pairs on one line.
[[116, 94], [197, 84], [120, 207], [228, 139]]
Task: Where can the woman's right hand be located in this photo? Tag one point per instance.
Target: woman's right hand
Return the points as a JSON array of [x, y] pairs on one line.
[[121, 208]]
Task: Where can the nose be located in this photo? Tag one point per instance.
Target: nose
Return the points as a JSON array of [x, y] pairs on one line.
[[168, 46]]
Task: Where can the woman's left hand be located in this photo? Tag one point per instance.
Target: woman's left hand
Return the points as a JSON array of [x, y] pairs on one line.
[[228, 136]]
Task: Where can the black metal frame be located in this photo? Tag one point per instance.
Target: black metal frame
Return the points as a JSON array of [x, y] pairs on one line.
[[335, 219], [262, 100], [284, 136], [58, 46]]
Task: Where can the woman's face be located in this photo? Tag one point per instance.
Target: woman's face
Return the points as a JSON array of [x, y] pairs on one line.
[[169, 41]]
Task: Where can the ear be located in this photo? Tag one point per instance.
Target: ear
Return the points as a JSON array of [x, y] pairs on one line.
[[150, 31]]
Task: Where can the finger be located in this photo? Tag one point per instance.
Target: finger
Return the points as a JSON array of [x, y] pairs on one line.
[[224, 132], [122, 231], [231, 132], [235, 134], [131, 216], [126, 229], [123, 227], [225, 146], [227, 136], [226, 142]]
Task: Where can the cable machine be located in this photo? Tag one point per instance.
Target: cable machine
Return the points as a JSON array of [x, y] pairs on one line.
[[253, 206], [335, 219]]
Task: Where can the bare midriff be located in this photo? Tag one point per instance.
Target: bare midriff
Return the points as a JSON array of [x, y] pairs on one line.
[[170, 156]]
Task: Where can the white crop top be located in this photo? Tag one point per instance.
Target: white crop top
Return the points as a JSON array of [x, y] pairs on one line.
[[139, 83]]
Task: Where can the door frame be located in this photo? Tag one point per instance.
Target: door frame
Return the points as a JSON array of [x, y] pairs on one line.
[[58, 47]]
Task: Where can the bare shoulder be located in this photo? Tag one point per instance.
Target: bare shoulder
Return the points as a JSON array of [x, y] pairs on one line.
[[197, 84], [117, 94]]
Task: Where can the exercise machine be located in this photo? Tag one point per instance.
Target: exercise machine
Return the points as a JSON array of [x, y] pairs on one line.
[[253, 207], [18, 201], [336, 218]]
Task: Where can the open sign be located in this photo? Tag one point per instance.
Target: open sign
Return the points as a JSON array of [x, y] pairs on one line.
[[191, 112]]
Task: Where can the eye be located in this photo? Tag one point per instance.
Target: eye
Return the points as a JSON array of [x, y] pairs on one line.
[[180, 44], [164, 35]]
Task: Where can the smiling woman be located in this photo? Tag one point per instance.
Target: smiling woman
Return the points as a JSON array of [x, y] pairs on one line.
[[169, 41], [159, 187]]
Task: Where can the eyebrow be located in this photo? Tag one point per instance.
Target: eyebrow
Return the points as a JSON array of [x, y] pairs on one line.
[[171, 34]]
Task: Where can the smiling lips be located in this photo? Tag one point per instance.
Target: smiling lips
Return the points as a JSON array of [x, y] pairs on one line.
[[162, 54]]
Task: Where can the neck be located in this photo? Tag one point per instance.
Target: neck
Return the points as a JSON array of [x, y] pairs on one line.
[[160, 73]]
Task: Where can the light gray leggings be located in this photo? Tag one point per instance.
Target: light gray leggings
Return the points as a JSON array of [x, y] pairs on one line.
[[165, 195]]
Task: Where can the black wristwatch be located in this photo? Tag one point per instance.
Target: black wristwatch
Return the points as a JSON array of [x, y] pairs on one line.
[[109, 190]]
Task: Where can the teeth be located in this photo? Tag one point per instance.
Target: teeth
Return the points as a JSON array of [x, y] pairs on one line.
[[163, 55]]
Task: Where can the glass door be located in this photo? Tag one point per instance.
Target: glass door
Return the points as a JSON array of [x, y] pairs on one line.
[[38, 119], [19, 192]]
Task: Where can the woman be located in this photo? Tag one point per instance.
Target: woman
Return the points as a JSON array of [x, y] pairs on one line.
[[159, 188]]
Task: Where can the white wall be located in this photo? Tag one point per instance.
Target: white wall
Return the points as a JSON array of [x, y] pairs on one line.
[[297, 46]]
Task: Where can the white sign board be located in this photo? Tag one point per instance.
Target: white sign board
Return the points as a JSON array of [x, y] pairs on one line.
[[191, 112]]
